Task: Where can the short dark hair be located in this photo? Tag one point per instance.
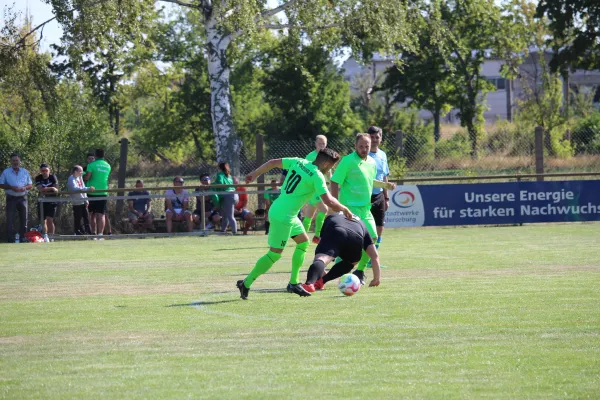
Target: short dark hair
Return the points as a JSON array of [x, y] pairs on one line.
[[374, 130], [327, 154], [204, 175], [139, 181], [90, 154], [99, 153], [14, 155]]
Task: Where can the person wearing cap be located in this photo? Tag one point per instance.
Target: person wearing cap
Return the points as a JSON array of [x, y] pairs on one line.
[[139, 213], [176, 204], [16, 183], [97, 175], [47, 184], [212, 215]]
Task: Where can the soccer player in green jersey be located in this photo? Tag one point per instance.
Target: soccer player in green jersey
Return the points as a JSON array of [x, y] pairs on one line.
[[304, 179], [315, 203], [353, 182]]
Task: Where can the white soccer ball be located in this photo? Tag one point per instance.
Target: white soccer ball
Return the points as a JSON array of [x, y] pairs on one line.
[[349, 284]]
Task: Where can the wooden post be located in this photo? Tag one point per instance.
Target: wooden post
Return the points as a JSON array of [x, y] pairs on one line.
[[260, 160], [400, 143], [122, 173], [539, 152]]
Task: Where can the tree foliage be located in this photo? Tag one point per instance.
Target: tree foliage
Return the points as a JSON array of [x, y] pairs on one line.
[[574, 25]]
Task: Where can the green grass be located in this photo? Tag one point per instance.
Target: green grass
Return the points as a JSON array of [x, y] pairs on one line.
[[510, 312]]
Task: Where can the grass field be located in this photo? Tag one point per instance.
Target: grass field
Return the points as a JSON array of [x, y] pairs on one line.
[[499, 312]]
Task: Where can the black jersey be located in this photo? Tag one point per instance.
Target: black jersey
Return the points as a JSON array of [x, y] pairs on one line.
[[343, 237]]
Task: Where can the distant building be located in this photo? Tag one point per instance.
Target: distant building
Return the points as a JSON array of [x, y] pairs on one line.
[[502, 102]]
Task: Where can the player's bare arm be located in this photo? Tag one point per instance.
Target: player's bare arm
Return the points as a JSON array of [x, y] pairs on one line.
[[269, 165], [372, 252], [335, 205], [334, 189], [384, 185]]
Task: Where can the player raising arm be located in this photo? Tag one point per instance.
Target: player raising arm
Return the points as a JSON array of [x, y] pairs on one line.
[[304, 179]]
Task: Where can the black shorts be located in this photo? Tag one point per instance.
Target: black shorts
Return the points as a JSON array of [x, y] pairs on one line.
[[378, 208], [339, 242], [49, 209], [97, 206]]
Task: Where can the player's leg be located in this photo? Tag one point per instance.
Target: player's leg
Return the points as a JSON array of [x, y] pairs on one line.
[[309, 213], [277, 240], [378, 212], [301, 238], [339, 269]]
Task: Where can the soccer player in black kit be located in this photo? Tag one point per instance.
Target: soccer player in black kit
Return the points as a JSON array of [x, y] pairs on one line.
[[344, 238]]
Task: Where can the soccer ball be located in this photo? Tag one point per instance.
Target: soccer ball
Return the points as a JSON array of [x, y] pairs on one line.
[[349, 284]]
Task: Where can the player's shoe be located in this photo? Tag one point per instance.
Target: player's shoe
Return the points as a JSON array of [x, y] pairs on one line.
[[243, 289], [320, 285], [361, 276], [309, 287], [298, 289], [316, 239]]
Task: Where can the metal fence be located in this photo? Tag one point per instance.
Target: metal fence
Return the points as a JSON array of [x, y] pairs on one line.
[[411, 154]]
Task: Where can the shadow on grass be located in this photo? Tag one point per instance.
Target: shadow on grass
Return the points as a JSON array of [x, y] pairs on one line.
[[272, 273], [202, 303], [240, 248]]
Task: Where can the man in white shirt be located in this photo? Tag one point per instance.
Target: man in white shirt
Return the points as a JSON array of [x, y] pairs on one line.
[[16, 183]]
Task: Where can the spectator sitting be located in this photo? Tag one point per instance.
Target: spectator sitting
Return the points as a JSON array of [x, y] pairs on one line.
[[240, 210], [228, 199], [269, 199], [80, 203], [176, 204], [47, 184], [16, 183], [139, 213], [211, 206]]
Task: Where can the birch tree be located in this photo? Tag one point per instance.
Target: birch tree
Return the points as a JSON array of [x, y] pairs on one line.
[[363, 25]]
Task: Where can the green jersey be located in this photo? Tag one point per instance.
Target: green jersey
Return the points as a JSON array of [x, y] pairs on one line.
[[355, 177], [272, 196], [100, 170], [302, 181], [312, 156]]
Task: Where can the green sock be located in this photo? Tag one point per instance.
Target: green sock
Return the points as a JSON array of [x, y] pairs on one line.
[[319, 223], [306, 222], [297, 261], [262, 265], [362, 264]]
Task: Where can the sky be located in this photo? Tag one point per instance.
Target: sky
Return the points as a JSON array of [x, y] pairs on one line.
[[41, 12]]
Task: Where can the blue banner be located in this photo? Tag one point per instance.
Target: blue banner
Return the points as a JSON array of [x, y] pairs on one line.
[[494, 203]]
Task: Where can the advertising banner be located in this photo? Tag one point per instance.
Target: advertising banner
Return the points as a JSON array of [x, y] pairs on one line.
[[494, 203]]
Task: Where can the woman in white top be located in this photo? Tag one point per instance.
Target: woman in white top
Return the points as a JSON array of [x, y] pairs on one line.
[[75, 184]]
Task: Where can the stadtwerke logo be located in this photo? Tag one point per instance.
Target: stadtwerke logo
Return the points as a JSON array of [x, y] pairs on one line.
[[403, 199]]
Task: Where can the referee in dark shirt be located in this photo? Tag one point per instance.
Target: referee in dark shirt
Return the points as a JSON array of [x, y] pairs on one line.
[[346, 239]]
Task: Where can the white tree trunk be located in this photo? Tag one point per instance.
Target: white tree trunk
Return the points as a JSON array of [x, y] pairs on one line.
[[229, 146]]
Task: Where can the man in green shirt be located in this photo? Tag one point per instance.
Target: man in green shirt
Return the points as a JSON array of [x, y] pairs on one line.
[[97, 176], [304, 180], [353, 182], [315, 203]]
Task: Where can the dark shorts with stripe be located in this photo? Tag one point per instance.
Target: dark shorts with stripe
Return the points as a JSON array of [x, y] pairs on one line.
[[378, 208]]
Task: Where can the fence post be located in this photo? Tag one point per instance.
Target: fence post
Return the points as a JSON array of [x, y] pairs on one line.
[[400, 143], [539, 152], [260, 159], [122, 173]]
